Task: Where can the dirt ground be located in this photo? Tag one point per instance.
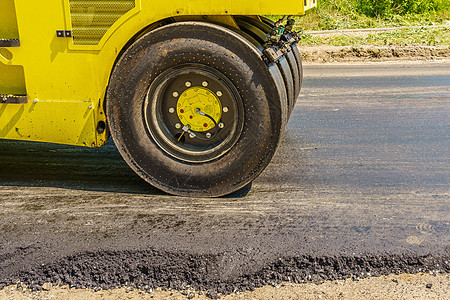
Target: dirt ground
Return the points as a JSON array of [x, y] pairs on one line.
[[366, 53], [404, 286]]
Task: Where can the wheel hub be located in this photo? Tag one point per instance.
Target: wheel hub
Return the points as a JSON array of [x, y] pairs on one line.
[[194, 113], [195, 100]]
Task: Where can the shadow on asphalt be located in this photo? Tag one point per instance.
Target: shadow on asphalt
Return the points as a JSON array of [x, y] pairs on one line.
[[33, 164]]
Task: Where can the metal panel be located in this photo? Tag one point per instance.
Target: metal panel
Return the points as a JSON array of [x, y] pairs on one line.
[[9, 43], [92, 19], [12, 80], [8, 21], [49, 121], [57, 71], [13, 99]]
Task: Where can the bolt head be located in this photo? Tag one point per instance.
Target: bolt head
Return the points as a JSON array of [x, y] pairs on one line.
[[178, 126], [225, 109], [171, 110], [219, 93], [191, 136], [221, 125], [205, 83], [175, 94], [208, 135], [188, 84]]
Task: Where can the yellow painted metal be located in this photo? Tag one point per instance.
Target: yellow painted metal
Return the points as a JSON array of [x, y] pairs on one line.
[[12, 80], [308, 4], [202, 99], [66, 77], [91, 20], [224, 19], [8, 20], [24, 122]]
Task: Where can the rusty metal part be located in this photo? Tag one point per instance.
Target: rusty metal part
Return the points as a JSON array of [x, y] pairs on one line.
[[13, 99]]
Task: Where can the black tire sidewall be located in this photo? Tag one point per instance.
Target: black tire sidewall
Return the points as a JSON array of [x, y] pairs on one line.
[[167, 47]]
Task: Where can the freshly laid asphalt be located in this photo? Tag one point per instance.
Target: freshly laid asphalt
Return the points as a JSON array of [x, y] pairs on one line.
[[359, 187]]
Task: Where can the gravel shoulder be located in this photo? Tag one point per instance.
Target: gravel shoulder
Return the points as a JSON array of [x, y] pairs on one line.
[[403, 286], [372, 53], [399, 46]]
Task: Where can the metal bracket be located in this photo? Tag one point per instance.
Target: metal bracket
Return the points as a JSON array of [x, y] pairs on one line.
[[281, 39], [275, 52], [273, 55], [64, 33], [13, 99], [9, 43]]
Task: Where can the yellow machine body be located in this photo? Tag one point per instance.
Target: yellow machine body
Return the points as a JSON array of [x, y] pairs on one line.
[[57, 55]]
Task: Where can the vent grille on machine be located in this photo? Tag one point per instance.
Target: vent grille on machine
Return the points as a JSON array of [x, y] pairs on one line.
[[91, 19]]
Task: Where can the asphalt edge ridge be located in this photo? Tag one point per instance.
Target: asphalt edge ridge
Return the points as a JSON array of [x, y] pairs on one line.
[[147, 269]]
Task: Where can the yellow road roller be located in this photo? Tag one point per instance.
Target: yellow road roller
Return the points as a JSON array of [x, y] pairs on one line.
[[195, 93]]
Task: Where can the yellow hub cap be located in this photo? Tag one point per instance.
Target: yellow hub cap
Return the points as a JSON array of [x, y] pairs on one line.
[[202, 99]]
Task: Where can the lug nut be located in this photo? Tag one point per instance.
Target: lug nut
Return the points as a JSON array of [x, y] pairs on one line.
[[175, 94], [208, 135], [178, 126], [188, 84], [171, 110], [205, 83], [225, 109], [219, 93], [221, 125]]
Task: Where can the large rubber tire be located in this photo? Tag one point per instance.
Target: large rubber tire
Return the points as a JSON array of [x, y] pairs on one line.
[[204, 50], [295, 74], [298, 59], [259, 31]]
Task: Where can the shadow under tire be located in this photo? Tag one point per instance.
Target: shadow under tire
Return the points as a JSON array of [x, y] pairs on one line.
[[165, 79]]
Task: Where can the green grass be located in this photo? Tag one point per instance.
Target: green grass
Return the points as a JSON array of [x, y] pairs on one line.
[[341, 14], [353, 14], [406, 36]]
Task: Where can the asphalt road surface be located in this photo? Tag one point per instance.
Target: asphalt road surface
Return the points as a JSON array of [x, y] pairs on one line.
[[359, 187]]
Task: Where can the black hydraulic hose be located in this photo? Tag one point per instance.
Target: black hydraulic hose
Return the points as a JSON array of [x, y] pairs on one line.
[[206, 115], [212, 119]]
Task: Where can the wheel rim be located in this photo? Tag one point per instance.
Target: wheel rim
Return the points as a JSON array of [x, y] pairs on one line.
[[194, 113]]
